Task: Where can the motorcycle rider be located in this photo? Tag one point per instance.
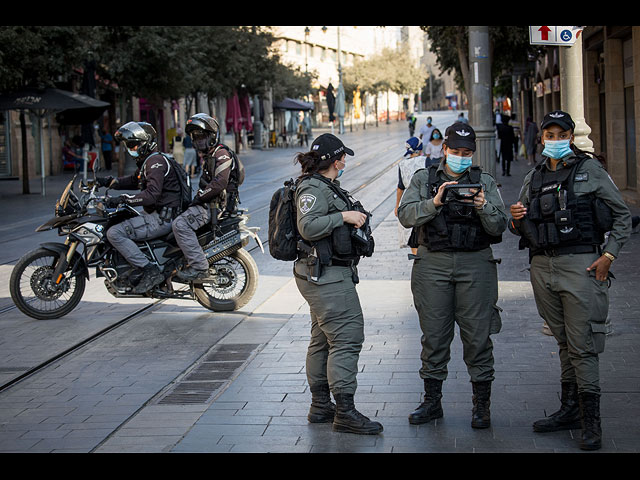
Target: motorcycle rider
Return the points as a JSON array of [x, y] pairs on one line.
[[209, 201], [159, 197]]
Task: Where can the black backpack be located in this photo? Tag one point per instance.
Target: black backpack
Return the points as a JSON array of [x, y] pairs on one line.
[[186, 193], [283, 232]]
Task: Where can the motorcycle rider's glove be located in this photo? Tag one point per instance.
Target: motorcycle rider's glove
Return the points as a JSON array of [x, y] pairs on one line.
[[112, 202], [106, 181]]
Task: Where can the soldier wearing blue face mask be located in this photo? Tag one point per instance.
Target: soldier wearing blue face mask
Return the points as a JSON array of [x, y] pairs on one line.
[[454, 277], [567, 203]]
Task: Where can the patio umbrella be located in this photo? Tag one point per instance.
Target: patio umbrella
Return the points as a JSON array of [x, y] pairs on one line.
[[72, 108], [291, 104]]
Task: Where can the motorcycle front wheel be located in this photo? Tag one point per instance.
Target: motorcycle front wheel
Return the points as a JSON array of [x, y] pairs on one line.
[[236, 281], [34, 291]]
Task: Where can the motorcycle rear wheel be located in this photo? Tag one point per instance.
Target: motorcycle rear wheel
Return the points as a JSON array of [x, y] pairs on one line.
[[32, 294], [238, 273]]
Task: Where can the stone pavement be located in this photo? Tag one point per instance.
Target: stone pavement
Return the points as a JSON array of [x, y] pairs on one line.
[[263, 407]]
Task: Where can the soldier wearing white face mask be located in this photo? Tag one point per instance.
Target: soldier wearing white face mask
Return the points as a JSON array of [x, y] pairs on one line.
[[454, 277]]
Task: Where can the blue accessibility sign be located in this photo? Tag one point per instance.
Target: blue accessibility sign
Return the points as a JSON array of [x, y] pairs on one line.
[[566, 35]]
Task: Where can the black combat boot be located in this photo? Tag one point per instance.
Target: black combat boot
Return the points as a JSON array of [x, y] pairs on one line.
[[590, 411], [348, 419], [190, 274], [431, 408], [151, 276], [568, 417], [322, 408], [480, 414]]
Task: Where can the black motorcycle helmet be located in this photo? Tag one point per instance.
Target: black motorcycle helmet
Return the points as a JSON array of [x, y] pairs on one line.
[[140, 134], [204, 131]]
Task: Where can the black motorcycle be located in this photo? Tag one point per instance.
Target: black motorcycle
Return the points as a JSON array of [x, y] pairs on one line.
[[49, 281]]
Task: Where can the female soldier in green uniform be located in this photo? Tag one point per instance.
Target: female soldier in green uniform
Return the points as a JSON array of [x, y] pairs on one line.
[[454, 277], [326, 275], [566, 205]]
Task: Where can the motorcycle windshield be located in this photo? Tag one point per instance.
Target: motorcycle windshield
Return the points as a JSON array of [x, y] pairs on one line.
[[64, 198]]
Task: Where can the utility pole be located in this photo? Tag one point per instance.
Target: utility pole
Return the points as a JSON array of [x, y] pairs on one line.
[[481, 98]]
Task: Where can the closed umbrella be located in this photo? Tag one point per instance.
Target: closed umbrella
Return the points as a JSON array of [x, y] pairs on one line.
[[234, 118]]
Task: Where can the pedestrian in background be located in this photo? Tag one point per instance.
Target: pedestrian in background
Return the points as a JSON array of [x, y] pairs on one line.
[[507, 143], [433, 148], [190, 156], [454, 277], [413, 161], [177, 148], [425, 131], [567, 203], [326, 276], [531, 140], [107, 146], [412, 119]]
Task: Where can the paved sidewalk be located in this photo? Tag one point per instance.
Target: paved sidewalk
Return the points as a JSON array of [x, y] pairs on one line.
[[264, 407]]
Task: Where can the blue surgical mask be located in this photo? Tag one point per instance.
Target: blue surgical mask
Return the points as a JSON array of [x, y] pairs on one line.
[[133, 153], [457, 163], [436, 136], [340, 172], [557, 148]]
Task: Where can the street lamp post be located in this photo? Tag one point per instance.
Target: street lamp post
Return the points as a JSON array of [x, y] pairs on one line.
[[481, 98]]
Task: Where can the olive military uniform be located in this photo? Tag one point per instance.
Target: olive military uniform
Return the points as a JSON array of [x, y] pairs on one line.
[[571, 300], [337, 323], [454, 285]]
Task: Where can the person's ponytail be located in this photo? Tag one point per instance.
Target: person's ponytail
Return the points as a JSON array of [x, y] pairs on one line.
[[311, 163]]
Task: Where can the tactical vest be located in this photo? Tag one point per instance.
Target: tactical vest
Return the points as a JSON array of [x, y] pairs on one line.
[[560, 218], [346, 244], [457, 227]]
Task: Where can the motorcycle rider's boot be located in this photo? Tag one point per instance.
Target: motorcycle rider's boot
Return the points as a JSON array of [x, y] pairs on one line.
[[348, 419], [151, 276], [568, 417], [135, 276], [322, 409], [591, 438], [431, 407], [190, 274], [481, 415]]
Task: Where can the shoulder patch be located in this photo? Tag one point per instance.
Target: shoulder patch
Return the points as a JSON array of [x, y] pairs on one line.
[[306, 201]]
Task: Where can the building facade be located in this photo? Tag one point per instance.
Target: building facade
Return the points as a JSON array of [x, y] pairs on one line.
[[611, 70]]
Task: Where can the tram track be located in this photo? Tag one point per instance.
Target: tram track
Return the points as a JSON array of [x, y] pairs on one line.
[[158, 302]]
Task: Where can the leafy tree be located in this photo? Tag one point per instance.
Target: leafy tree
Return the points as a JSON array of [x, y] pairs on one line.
[[391, 70], [508, 46]]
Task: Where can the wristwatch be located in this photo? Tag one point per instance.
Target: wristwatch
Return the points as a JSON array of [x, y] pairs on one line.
[[609, 256]]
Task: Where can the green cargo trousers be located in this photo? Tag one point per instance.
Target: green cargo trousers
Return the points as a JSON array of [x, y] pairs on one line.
[[337, 330], [574, 305], [462, 288]]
